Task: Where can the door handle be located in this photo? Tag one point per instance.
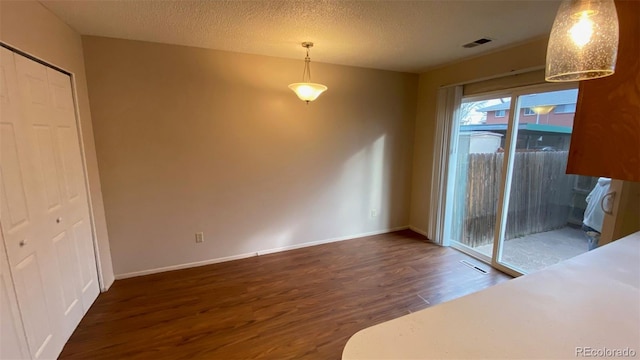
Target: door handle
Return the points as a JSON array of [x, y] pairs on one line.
[[23, 242]]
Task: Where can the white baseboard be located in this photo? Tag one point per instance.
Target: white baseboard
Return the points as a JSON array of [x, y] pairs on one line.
[[257, 253], [326, 241], [419, 231], [185, 266]]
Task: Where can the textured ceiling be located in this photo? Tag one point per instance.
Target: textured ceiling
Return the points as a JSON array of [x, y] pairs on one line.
[[393, 35]]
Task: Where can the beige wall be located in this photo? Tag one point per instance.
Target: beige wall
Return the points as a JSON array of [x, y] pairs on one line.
[[190, 139], [230, 138], [29, 27], [511, 60]]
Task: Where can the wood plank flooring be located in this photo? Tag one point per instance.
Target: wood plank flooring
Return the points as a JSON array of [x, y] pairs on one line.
[[299, 304]]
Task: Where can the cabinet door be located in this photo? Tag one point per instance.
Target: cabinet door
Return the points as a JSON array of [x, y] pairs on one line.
[[606, 130]]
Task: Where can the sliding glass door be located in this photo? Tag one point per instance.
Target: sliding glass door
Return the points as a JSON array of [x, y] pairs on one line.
[[511, 203], [476, 171]]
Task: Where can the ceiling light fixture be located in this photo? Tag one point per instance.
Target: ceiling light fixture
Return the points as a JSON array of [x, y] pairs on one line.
[[306, 90], [542, 109], [584, 41]]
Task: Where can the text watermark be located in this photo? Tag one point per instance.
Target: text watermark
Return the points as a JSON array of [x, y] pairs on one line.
[[604, 352]]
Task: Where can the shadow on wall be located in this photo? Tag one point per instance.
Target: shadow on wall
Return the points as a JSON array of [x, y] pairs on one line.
[[193, 140], [362, 177], [369, 191]]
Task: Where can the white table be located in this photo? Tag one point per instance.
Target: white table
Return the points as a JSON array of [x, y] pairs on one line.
[[591, 302]]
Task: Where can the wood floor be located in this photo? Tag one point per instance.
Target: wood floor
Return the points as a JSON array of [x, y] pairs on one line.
[[299, 304]]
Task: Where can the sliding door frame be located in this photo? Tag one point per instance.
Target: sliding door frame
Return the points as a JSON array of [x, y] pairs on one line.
[[450, 180], [507, 169]]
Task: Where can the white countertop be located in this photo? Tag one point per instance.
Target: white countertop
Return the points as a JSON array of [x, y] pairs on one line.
[[590, 301]]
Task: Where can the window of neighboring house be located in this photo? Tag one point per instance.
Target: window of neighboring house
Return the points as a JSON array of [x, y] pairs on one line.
[[500, 113], [565, 109], [528, 111]]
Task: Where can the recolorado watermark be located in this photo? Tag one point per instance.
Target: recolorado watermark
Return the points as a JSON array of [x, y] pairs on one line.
[[604, 352]]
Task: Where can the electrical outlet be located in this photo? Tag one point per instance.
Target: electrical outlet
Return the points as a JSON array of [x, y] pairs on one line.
[[374, 213], [199, 237]]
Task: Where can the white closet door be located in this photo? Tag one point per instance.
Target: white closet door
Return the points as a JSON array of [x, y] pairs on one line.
[[34, 274], [12, 342], [45, 217], [75, 219]]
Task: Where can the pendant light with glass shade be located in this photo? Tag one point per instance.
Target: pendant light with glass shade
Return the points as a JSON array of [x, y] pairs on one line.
[[542, 109], [306, 90], [584, 41]]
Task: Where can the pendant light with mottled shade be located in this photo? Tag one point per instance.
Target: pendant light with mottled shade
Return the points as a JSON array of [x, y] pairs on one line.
[[584, 41]]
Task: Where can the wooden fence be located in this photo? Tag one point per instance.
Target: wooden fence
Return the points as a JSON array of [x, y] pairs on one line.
[[539, 200]]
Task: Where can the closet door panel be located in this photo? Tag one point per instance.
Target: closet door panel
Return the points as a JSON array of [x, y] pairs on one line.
[[36, 285], [46, 167], [18, 191], [76, 221], [72, 164], [41, 121], [89, 288], [44, 212], [12, 341], [36, 106], [67, 264], [63, 118], [36, 312], [14, 202]]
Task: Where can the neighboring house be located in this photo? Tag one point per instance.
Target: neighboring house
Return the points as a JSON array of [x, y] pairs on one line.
[[562, 106], [531, 136], [545, 121]]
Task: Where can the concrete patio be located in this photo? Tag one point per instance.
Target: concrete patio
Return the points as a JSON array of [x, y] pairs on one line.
[[537, 251]]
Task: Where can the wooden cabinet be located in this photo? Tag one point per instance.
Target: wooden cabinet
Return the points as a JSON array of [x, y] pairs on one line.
[[606, 130]]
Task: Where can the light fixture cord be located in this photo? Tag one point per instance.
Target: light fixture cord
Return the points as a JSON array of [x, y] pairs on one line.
[[307, 68]]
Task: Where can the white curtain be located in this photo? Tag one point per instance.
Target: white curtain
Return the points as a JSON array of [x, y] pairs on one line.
[[449, 99]]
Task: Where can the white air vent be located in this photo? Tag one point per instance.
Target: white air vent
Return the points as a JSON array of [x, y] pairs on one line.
[[474, 267]]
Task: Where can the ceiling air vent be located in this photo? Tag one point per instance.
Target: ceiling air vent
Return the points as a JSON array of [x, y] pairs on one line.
[[476, 43]]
